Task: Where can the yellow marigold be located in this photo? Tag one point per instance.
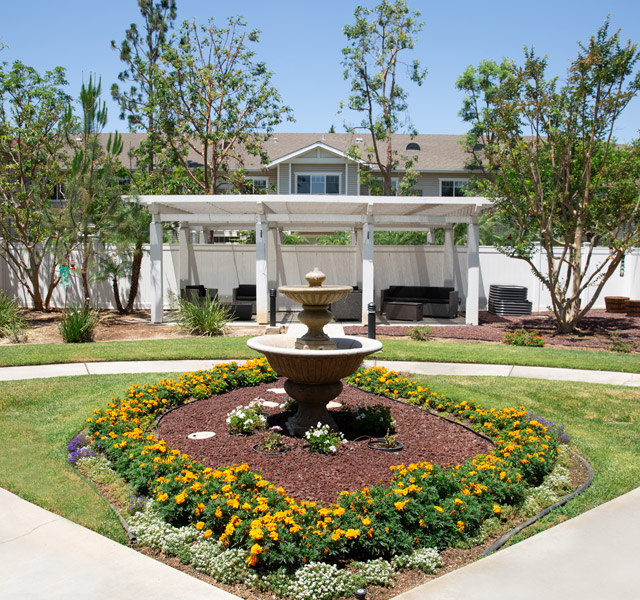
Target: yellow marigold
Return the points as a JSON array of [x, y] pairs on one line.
[[199, 525], [256, 549], [352, 534], [460, 525], [400, 505], [256, 534], [207, 534], [252, 560], [439, 509], [181, 497], [496, 509], [162, 497]]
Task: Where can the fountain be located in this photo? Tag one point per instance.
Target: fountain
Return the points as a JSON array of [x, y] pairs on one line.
[[314, 364]]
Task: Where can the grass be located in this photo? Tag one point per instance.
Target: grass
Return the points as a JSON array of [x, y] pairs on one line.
[[37, 419], [235, 347]]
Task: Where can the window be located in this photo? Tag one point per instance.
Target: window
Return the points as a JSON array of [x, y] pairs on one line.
[[453, 187], [412, 146], [317, 184], [257, 185]]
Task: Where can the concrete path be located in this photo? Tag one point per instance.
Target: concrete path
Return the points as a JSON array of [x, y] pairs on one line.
[[421, 368], [592, 556]]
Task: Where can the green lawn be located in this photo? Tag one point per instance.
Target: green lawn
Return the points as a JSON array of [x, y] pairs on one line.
[[235, 347]]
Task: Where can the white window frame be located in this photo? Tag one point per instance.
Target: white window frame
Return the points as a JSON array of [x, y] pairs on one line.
[[324, 174], [454, 180]]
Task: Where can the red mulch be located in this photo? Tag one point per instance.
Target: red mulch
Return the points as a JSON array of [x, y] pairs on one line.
[[314, 477], [594, 329]]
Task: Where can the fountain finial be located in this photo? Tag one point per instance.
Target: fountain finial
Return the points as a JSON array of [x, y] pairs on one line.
[[315, 277]]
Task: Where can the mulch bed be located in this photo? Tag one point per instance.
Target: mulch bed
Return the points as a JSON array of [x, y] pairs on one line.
[[594, 329], [314, 477]]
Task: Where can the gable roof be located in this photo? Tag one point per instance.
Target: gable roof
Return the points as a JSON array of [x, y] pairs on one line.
[[437, 152]]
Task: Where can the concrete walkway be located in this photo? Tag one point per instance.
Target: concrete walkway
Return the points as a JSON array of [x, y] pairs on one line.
[[592, 556], [416, 368]]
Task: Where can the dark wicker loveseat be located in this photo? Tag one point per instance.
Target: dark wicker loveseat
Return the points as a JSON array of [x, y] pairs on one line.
[[436, 301], [246, 292]]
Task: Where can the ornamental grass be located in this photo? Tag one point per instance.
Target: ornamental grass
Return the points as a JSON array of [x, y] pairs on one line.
[[426, 506]]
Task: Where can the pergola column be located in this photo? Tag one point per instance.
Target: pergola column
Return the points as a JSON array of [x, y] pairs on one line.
[[155, 255], [184, 242], [473, 273], [262, 271], [447, 263], [367, 269]]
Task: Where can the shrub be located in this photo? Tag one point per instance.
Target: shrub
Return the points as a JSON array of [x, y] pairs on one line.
[[245, 420], [12, 324], [617, 344], [374, 420], [421, 333], [273, 441], [522, 337], [323, 440], [78, 324], [202, 316]]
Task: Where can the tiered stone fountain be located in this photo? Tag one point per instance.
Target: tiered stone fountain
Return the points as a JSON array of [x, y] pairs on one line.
[[314, 364]]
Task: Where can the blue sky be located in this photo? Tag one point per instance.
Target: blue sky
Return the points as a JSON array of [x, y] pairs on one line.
[[301, 43]]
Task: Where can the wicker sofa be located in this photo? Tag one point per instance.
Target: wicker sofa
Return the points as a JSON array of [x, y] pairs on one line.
[[246, 292], [436, 301]]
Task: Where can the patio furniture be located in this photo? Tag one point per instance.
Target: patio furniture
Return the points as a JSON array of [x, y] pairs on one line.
[[191, 292], [246, 292], [404, 311], [240, 311], [349, 307], [435, 301]]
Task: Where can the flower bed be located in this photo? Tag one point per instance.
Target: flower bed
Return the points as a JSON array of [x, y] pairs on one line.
[[426, 506]]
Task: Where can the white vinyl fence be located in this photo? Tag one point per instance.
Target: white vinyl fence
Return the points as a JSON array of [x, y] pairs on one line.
[[225, 266]]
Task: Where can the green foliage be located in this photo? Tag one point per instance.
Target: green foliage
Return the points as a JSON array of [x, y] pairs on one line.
[[217, 100], [34, 121], [617, 344], [523, 337], [78, 324], [12, 323], [377, 40], [337, 238], [421, 333], [140, 51], [294, 238], [92, 185], [202, 316], [399, 238], [552, 167], [373, 420]]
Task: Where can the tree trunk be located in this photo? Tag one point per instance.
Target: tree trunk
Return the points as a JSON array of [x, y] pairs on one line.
[[135, 276], [85, 268], [116, 295]]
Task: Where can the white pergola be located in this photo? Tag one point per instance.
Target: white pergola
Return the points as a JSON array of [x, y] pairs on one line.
[[363, 214]]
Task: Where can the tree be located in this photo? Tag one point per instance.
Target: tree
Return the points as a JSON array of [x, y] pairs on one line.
[[372, 61], [141, 51], [92, 187], [552, 167], [33, 125], [218, 102]]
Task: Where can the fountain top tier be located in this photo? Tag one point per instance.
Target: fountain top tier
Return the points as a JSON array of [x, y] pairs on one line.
[[315, 299], [315, 294]]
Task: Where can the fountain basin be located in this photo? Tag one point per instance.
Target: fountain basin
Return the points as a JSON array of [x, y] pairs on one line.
[[314, 366]]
